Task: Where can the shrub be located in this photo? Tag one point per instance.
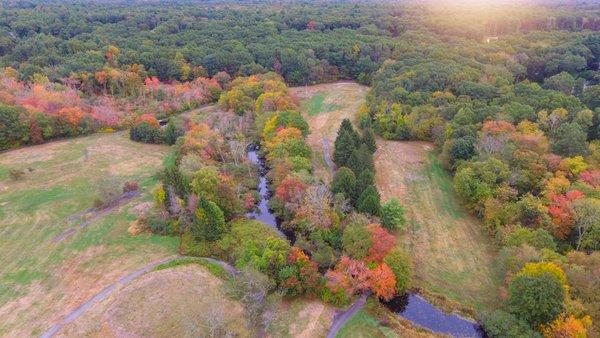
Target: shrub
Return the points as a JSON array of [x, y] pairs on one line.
[[16, 174], [392, 215], [108, 192], [501, 324], [130, 186]]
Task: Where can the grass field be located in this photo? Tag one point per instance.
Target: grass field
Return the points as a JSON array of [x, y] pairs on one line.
[[452, 254], [325, 106], [179, 301], [42, 279]]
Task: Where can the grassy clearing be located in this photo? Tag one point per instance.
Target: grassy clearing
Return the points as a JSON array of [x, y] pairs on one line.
[[41, 279], [179, 301], [300, 317], [325, 106], [452, 254]]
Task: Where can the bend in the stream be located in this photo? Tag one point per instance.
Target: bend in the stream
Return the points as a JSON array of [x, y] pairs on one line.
[[424, 314]]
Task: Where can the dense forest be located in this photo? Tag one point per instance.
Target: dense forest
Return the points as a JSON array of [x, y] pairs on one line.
[[510, 96]]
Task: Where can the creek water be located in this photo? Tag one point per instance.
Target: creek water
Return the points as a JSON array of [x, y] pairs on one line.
[[262, 212], [424, 314], [410, 306]]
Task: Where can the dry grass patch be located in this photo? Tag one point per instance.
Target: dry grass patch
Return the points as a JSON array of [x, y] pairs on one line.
[[302, 318], [452, 253], [184, 301], [324, 106]]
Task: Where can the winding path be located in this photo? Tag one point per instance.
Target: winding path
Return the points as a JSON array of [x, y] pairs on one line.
[[123, 281], [327, 155], [342, 318]]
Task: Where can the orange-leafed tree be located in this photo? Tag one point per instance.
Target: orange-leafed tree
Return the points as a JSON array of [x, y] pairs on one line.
[[383, 282], [567, 327], [71, 115]]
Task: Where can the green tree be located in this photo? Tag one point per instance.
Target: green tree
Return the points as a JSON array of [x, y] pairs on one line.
[[400, 264], [12, 130], [209, 221], [369, 140], [392, 215], [569, 140], [501, 324], [361, 159], [343, 147], [587, 223], [536, 299], [344, 182], [205, 183], [356, 241], [369, 201]]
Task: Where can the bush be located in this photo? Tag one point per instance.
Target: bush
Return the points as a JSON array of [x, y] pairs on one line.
[[108, 192], [146, 133], [16, 174], [392, 215], [501, 324], [160, 224], [130, 186], [338, 298]]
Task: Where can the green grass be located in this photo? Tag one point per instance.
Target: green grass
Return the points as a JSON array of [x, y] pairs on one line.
[[317, 105], [364, 325], [214, 268]]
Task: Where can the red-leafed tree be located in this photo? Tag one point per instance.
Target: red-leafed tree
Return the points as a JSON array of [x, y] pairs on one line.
[[350, 275], [383, 243], [562, 213], [290, 189], [591, 177]]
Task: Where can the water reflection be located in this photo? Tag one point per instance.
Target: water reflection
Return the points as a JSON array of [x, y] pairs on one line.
[[422, 313]]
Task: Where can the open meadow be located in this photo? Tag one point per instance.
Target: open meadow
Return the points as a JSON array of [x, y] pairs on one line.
[[57, 250], [324, 106], [452, 254]]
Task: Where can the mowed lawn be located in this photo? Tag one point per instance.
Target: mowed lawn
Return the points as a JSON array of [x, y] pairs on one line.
[[452, 253], [42, 279], [324, 106]]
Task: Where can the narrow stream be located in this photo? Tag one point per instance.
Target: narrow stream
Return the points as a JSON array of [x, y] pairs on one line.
[[263, 214], [424, 314], [410, 306]]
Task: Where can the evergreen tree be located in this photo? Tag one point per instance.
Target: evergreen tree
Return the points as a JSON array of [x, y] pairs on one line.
[[361, 159], [369, 140], [369, 201], [343, 147], [344, 182], [365, 179]]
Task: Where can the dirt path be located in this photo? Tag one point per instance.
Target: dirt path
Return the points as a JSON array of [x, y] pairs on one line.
[[327, 155], [342, 318], [110, 289]]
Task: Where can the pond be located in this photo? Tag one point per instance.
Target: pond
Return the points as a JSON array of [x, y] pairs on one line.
[[424, 314]]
